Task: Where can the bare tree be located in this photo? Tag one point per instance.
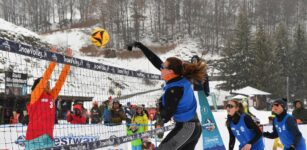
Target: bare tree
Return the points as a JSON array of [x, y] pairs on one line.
[[71, 8]]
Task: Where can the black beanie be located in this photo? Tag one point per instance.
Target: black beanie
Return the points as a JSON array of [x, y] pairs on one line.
[[195, 57], [282, 102]]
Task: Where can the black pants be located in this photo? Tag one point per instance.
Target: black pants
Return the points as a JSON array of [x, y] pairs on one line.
[[183, 137]]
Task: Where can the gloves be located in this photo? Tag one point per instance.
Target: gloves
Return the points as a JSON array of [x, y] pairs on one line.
[[133, 44], [130, 46]]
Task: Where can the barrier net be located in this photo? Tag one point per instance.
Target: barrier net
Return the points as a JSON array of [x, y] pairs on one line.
[[95, 104]]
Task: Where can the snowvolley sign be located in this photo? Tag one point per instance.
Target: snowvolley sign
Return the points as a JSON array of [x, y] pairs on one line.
[[44, 54], [210, 133]]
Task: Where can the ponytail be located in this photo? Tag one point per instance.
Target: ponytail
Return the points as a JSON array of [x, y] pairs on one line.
[[241, 108], [195, 72], [228, 121]]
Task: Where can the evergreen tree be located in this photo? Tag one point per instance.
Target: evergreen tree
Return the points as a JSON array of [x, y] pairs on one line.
[[236, 63], [262, 69], [298, 66], [282, 53]]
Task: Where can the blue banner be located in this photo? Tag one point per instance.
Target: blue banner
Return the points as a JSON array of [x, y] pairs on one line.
[[45, 54], [212, 139]]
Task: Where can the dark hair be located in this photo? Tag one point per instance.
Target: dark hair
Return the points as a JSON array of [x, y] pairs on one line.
[[175, 64], [35, 83], [191, 71]]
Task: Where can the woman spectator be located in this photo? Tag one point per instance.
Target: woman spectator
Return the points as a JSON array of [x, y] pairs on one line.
[[95, 113], [76, 116], [117, 113], [138, 125]]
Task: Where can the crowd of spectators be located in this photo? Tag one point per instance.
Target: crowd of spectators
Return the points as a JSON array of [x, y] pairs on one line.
[[13, 110]]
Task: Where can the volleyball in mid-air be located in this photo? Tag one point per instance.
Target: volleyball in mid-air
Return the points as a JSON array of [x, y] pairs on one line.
[[100, 37]]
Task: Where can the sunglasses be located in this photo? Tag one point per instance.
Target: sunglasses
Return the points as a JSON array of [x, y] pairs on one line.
[[164, 67], [230, 106], [277, 105]]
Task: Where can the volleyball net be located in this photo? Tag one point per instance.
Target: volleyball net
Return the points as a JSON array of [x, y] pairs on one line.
[[83, 104]]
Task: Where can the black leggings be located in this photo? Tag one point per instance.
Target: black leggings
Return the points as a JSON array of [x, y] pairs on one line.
[[183, 137]]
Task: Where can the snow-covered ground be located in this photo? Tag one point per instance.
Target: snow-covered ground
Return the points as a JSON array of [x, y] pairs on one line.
[[69, 133], [14, 29]]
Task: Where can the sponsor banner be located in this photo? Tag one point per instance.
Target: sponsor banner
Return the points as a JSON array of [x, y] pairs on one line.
[[62, 140], [45, 54], [113, 140], [69, 136]]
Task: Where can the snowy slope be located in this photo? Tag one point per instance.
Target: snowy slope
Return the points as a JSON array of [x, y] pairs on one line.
[[80, 82], [10, 27], [19, 34], [78, 38], [73, 38]]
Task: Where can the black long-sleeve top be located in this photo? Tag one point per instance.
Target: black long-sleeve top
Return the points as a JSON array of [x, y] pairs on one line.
[[152, 57], [172, 95], [291, 126], [250, 125], [204, 86]]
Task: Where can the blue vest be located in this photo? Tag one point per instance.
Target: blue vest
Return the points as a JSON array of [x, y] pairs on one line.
[[286, 137], [186, 108], [244, 134]]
